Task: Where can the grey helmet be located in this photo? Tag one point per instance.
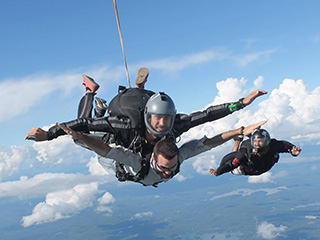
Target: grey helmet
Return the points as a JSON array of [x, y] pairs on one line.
[[264, 135], [159, 104]]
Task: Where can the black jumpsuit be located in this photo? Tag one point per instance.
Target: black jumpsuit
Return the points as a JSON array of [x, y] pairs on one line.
[[134, 138], [251, 163]]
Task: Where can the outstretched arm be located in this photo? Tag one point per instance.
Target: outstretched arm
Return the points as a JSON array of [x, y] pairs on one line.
[[95, 144], [105, 124], [184, 122], [226, 136], [237, 143], [37, 134], [253, 95]]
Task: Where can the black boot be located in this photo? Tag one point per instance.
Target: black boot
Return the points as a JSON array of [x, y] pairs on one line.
[[101, 107]]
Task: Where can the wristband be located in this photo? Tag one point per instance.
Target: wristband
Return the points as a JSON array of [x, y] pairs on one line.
[[242, 128], [236, 106]]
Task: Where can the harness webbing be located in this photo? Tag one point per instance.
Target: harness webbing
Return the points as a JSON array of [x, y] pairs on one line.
[[121, 41]]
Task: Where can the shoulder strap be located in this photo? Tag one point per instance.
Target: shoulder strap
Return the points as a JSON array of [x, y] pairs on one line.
[[123, 176]]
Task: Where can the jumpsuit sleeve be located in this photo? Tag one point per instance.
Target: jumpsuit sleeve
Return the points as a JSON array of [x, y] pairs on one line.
[[125, 157], [283, 146], [184, 122], [104, 124], [192, 148]]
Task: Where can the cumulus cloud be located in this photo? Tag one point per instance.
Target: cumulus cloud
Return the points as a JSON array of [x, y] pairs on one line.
[[269, 231], [62, 204], [107, 198], [95, 168], [103, 201], [41, 184], [61, 150], [263, 178], [11, 160], [180, 178], [204, 162], [258, 83]]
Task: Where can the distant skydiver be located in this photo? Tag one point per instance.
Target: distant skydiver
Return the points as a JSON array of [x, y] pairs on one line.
[[161, 165], [256, 155], [142, 125]]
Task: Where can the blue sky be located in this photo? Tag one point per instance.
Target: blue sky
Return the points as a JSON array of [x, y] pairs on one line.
[[199, 52], [188, 46]]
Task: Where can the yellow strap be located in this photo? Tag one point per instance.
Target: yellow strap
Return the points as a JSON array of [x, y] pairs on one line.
[[119, 29]]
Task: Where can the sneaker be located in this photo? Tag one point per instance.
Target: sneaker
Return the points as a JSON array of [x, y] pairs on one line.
[[101, 107], [142, 77], [90, 84]]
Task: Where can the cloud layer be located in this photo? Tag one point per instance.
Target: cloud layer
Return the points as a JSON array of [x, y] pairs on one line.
[[289, 110]]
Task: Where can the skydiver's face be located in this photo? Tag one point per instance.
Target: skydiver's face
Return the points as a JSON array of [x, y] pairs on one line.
[[160, 123], [258, 143], [165, 167]]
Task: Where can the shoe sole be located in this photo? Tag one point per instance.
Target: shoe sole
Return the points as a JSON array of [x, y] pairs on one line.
[[143, 74], [90, 83]]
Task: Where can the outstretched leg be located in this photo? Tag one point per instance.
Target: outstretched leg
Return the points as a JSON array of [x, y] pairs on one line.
[[86, 105], [225, 164], [142, 77]]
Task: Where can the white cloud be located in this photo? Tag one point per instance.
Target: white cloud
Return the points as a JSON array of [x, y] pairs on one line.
[[181, 62], [203, 163], [22, 95], [104, 209], [180, 178], [263, 178], [258, 83], [11, 160], [248, 192], [249, 58], [62, 204], [106, 199], [269, 231], [95, 167], [311, 217], [142, 215], [43, 183], [61, 150]]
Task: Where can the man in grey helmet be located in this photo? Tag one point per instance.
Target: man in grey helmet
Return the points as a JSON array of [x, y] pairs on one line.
[[139, 127], [160, 119]]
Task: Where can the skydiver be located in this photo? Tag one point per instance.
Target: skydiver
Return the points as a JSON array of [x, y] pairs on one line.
[[165, 160], [256, 155], [160, 119]]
